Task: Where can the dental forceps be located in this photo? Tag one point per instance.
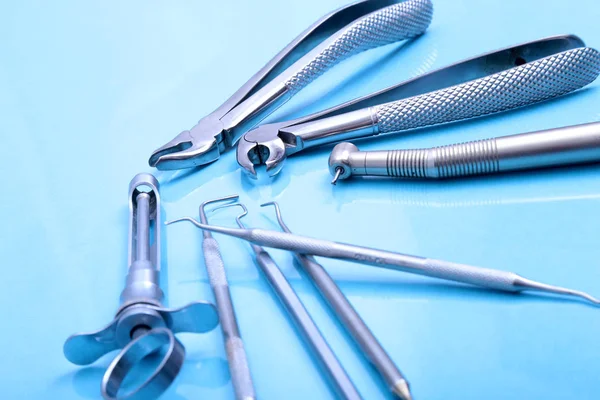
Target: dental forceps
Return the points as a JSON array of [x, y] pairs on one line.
[[499, 81], [579, 144], [142, 325], [341, 382], [234, 346], [350, 319], [338, 35], [471, 275]]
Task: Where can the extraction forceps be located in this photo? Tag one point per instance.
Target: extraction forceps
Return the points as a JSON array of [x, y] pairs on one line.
[[350, 319], [471, 275], [338, 35], [234, 346], [499, 81], [341, 382], [142, 325], [569, 145]]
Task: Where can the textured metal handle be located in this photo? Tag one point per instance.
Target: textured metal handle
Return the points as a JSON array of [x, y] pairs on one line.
[[490, 278], [234, 346], [477, 276], [526, 84], [214, 262], [391, 24], [471, 158]]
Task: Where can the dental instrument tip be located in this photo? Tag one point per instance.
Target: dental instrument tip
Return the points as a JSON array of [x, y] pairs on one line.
[[402, 390], [338, 172], [192, 220]]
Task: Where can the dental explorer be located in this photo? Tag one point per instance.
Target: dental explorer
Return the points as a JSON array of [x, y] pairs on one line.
[[350, 319], [142, 325], [568, 145], [477, 276], [341, 382], [234, 346]]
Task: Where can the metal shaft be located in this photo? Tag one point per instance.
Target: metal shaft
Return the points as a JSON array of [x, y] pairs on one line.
[[477, 276], [234, 345], [310, 332], [142, 249], [547, 148], [351, 320], [143, 278]]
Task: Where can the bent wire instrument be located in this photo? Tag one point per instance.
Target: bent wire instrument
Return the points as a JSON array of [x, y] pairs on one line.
[[463, 273], [334, 371], [142, 325], [338, 35], [350, 319], [499, 81]]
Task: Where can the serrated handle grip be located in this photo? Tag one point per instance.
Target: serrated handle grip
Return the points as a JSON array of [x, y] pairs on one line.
[[391, 24], [485, 277], [516, 87], [234, 346]]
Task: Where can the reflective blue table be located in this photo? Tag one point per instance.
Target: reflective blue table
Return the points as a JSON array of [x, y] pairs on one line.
[[89, 89]]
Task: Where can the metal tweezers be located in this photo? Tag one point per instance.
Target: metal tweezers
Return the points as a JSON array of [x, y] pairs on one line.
[[350, 30]]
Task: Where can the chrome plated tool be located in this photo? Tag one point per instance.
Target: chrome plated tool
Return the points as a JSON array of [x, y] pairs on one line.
[[339, 379], [234, 346], [494, 82], [548, 148], [142, 325], [338, 35], [477, 276], [350, 319]]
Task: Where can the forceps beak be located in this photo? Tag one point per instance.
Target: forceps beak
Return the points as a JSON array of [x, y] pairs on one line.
[[270, 153], [189, 149]]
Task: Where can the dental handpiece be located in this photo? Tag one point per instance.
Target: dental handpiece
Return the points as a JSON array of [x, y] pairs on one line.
[[477, 276], [234, 345], [569, 145], [350, 319]]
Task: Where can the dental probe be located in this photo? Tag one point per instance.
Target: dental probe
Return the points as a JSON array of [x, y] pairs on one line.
[[234, 346], [350, 319], [341, 382], [569, 145], [477, 276]]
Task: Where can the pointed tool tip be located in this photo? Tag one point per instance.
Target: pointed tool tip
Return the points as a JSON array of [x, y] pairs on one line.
[[402, 390]]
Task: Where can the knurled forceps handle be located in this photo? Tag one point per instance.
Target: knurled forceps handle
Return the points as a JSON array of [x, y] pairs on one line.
[[499, 81], [542, 149], [345, 32]]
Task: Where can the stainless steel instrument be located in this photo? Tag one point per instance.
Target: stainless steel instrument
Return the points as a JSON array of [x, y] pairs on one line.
[[234, 346], [477, 276], [142, 325], [350, 319], [548, 148], [345, 32], [339, 379], [494, 82]]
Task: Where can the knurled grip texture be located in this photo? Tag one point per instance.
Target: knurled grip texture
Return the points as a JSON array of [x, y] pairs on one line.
[[410, 163], [494, 279], [388, 25], [490, 278], [471, 158], [214, 262], [516, 87], [236, 354]]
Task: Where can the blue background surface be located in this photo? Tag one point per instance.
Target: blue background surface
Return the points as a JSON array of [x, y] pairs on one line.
[[89, 89]]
